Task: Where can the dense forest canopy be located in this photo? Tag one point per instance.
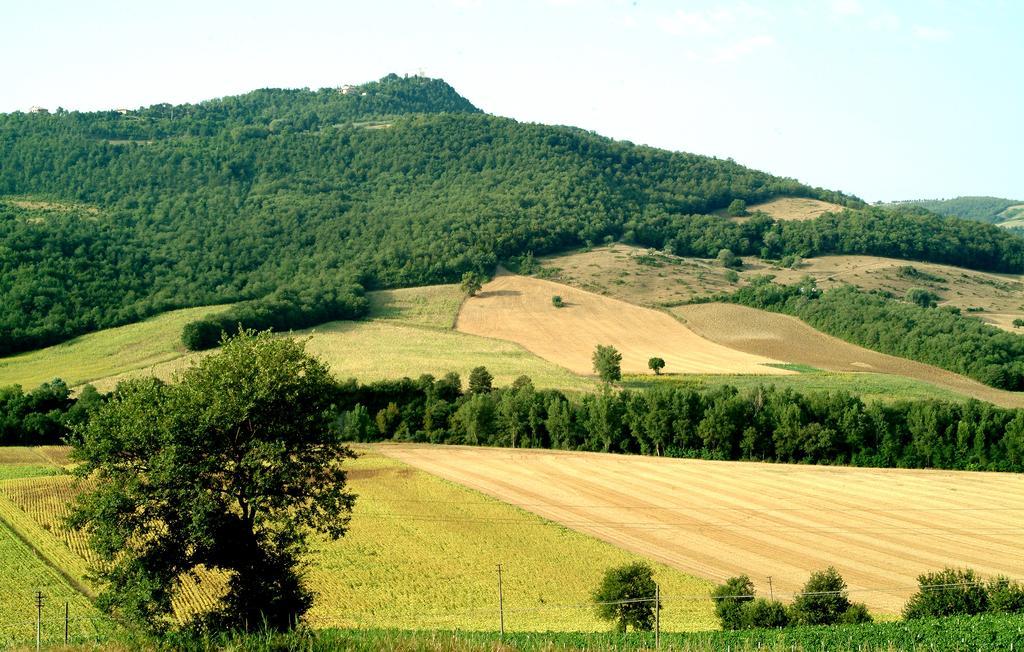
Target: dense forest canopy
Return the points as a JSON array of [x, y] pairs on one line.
[[393, 183]]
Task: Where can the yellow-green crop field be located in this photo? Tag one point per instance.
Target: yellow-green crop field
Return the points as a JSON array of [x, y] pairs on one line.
[[422, 553]]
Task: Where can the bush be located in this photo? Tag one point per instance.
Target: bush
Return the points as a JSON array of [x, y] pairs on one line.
[[732, 276], [922, 297], [823, 600], [1004, 596], [730, 599], [737, 208], [726, 258], [949, 592], [856, 614], [764, 613], [557, 302]]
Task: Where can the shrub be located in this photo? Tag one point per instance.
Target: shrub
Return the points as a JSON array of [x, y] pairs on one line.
[[737, 208], [823, 600], [922, 297], [949, 592], [764, 613], [557, 302], [730, 599], [726, 258]]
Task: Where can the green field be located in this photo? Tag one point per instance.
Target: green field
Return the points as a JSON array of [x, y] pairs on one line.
[[105, 353], [422, 553], [869, 386]]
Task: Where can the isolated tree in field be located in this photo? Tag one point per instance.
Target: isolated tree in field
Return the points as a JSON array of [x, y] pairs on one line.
[[480, 380], [730, 599], [229, 469], [824, 601], [737, 208], [726, 258], [656, 365], [471, 283], [607, 363], [626, 597], [557, 302]]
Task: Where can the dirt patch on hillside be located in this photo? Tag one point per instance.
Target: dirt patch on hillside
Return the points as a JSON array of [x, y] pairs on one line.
[[519, 309], [879, 527]]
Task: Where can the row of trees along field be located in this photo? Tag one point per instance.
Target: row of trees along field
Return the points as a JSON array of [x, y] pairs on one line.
[[876, 320], [409, 184], [765, 423]]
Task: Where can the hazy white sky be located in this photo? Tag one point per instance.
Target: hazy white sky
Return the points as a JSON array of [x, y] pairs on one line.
[[886, 100]]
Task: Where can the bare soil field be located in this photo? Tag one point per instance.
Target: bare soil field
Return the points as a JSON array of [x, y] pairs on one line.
[[787, 338], [519, 309], [794, 208], [879, 527]]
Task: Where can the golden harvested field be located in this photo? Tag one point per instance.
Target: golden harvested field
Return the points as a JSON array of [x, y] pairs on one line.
[[519, 309], [787, 338], [794, 208], [879, 527]]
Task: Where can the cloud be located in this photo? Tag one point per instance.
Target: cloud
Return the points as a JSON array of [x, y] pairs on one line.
[[743, 48], [467, 4], [710, 22], [927, 33], [847, 7]]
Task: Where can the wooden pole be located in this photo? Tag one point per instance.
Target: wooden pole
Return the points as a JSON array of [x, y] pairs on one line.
[[501, 606], [39, 619], [657, 616]]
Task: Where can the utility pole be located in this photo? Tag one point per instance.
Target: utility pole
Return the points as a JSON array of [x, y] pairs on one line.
[[39, 619], [771, 592], [657, 616], [501, 606], [66, 614]]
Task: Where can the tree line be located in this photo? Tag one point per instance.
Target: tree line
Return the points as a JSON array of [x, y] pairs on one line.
[[913, 329]]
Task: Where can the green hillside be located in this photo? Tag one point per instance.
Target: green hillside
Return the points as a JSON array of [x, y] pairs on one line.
[[299, 199], [992, 210]]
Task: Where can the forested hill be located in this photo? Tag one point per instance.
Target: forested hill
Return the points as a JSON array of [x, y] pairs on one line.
[[304, 196], [980, 209]]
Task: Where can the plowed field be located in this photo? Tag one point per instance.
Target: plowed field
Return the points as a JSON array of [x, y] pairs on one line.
[[879, 527], [519, 309]]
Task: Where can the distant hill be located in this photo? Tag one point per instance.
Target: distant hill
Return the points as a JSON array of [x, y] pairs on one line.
[[291, 197], [992, 210]]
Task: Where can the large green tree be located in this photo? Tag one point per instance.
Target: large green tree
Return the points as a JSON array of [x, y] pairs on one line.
[[627, 597], [229, 468], [607, 363]]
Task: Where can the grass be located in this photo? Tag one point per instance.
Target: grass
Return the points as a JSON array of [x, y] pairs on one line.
[[105, 353], [12, 471], [434, 306], [869, 386]]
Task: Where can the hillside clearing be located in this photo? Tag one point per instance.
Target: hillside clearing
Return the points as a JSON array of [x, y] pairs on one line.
[[519, 309], [879, 527], [787, 338], [794, 208]]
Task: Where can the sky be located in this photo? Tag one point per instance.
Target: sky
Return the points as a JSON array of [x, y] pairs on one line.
[[884, 100]]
